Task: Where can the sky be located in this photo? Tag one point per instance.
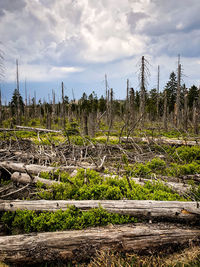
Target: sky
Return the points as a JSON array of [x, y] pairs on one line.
[[79, 41]]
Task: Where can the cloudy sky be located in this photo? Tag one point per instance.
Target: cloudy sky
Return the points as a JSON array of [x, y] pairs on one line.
[[78, 41]]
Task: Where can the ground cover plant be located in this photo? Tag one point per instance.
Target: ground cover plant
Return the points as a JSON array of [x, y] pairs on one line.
[[24, 221], [89, 184]]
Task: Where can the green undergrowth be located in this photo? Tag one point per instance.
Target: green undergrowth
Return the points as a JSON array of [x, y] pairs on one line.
[[158, 166], [25, 221], [88, 184]]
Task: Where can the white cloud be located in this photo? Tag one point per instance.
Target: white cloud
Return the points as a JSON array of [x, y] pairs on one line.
[[55, 39], [39, 73]]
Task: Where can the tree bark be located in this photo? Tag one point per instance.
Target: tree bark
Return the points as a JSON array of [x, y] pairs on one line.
[[178, 210], [24, 178], [37, 169], [80, 245], [166, 141], [37, 129]]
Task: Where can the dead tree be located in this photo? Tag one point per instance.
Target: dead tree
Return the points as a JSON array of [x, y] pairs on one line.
[[132, 107], [165, 111], [195, 118], [53, 106], [18, 120], [144, 73], [178, 99], [149, 209], [127, 105], [185, 112], [107, 99], [110, 109], [26, 104], [77, 245], [63, 106], [158, 91], [85, 123], [0, 109]]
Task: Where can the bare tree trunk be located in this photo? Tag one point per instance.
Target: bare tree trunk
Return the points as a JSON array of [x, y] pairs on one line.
[[142, 90], [0, 109], [165, 111], [107, 99], [85, 123], [127, 106], [18, 121], [80, 245], [63, 106], [92, 123], [158, 92], [195, 118], [132, 107], [53, 106], [150, 209], [177, 113], [185, 116]]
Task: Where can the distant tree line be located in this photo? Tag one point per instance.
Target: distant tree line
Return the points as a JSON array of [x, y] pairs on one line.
[[175, 106]]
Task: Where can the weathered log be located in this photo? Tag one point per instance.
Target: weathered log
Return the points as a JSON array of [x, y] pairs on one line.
[[24, 178], [21, 167], [178, 210], [80, 245], [167, 141], [194, 177], [180, 188], [38, 129], [37, 169]]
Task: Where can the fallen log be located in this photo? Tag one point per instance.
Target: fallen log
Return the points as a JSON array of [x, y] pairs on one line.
[[193, 177], [177, 210], [79, 245], [24, 178], [38, 129], [167, 141], [21, 167], [37, 169], [180, 188]]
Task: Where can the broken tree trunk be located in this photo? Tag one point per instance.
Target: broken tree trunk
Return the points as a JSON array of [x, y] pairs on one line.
[[37, 169], [177, 210], [79, 245], [167, 141], [21, 167], [37, 129], [180, 188], [24, 178]]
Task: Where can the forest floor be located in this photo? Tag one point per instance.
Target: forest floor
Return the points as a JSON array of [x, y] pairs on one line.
[[80, 168]]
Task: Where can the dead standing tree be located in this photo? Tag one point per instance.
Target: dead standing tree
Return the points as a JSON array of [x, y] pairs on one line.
[[185, 112], [178, 97], [1, 76], [158, 91], [18, 94], [63, 106], [165, 111], [143, 75]]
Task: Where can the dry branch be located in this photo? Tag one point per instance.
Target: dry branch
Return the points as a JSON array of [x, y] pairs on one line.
[[82, 244]]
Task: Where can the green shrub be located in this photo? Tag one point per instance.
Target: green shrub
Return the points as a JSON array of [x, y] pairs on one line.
[[24, 221], [157, 164], [106, 188], [187, 154]]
